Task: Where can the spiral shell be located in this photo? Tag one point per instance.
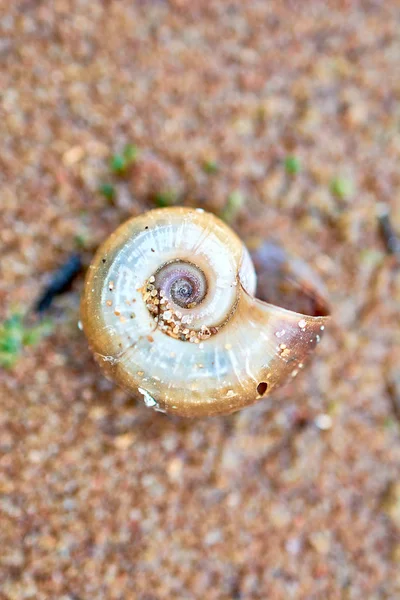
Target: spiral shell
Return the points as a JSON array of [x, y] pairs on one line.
[[170, 313]]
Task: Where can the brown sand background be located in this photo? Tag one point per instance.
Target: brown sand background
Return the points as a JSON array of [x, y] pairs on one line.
[[101, 498]]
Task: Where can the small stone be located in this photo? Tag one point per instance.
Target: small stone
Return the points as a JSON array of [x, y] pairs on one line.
[[213, 537], [323, 422], [122, 442], [73, 155], [174, 469], [293, 546], [280, 516], [320, 541]]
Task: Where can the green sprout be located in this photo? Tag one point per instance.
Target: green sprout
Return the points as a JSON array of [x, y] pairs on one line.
[[341, 187], [131, 154], [117, 164], [292, 165], [108, 191], [210, 167], [165, 198], [389, 423], [233, 205], [120, 162], [81, 240], [15, 335]]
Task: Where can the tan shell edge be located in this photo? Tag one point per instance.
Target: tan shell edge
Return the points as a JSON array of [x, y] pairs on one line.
[[260, 348]]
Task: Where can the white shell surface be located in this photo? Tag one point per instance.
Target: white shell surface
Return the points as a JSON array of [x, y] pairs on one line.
[[217, 375]]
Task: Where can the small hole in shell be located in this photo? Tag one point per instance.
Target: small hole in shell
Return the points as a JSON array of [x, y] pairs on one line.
[[262, 388]]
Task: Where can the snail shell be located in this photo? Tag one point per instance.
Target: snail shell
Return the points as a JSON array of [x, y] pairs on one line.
[[170, 313]]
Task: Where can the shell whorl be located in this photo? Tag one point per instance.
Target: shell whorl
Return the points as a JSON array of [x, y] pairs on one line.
[[181, 283], [169, 311]]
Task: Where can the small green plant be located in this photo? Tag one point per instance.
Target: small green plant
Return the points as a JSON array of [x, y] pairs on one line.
[[108, 191], [342, 187], [120, 162], [292, 165], [389, 423], [233, 205], [15, 335], [165, 198], [82, 237], [117, 164], [210, 167], [81, 240], [131, 153]]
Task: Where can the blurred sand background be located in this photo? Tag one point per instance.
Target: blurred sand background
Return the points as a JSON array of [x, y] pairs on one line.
[[299, 496]]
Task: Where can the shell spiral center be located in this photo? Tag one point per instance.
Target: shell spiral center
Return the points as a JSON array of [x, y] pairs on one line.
[[182, 283], [174, 286]]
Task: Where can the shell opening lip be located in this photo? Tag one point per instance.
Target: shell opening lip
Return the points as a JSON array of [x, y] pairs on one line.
[[300, 301], [288, 283], [319, 306]]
